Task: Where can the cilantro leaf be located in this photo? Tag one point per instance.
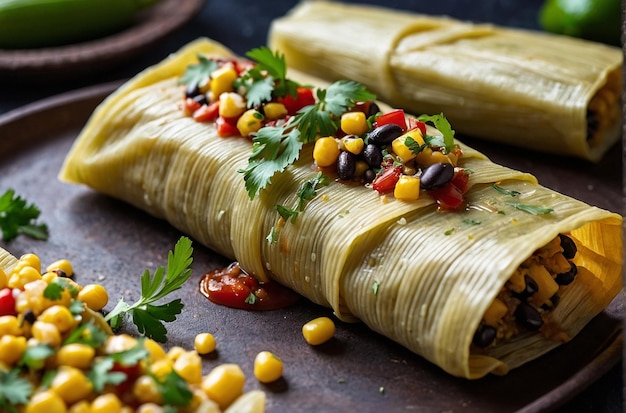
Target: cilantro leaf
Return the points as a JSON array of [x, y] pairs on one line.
[[100, 374], [35, 356], [443, 126], [531, 209], [174, 389], [200, 73], [54, 290], [260, 91], [14, 390], [149, 317], [18, 217], [412, 144], [342, 95], [275, 65], [504, 191], [87, 333]]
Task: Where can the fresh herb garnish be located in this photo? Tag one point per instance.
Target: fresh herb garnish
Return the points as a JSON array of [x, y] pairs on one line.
[[35, 356], [199, 74], [18, 217], [276, 147], [14, 390], [87, 333], [375, 287], [505, 191], [470, 221], [147, 316], [531, 209], [100, 374], [442, 124], [414, 146], [267, 79], [251, 299], [54, 290], [174, 389]]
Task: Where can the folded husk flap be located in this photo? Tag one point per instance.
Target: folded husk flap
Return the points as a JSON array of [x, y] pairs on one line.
[[536, 90], [436, 274]]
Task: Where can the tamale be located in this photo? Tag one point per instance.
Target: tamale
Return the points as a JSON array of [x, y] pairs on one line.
[[536, 90], [436, 274]]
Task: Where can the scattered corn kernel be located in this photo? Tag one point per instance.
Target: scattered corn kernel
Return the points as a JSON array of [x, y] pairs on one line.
[[224, 384], [407, 188], [189, 366], [232, 105], [46, 401], [274, 111], [46, 333], [249, 122], [106, 403], [63, 265], [354, 123], [11, 348], [326, 151], [60, 316], [353, 145], [267, 367], [204, 343], [146, 391], [318, 331], [71, 384], [222, 80], [76, 355], [22, 277], [94, 295], [32, 260], [10, 325]]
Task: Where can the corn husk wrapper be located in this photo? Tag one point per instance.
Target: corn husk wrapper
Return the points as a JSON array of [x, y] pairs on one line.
[[435, 274], [524, 88]]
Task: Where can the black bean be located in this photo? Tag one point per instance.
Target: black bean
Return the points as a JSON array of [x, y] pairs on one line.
[[484, 335], [385, 134], [554, 300], [59, 272], [372, 110], [346, 165], [29, 316], [369, 175], [530, 288], [201, 99], [569, 246], [436, 175], [566, 278], [528, 316], [372, 155], [192, 90]]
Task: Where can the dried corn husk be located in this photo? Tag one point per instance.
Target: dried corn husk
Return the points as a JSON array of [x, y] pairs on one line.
[[436, 275], [523, 88]]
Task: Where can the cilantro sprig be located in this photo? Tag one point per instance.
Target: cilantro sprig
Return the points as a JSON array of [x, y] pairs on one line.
[[199, 73], [274, 148], [146, 315], [14, 390], [18, 217], [442, 124]]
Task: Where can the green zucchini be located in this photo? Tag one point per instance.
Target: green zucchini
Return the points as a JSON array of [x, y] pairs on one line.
[[45, 23]]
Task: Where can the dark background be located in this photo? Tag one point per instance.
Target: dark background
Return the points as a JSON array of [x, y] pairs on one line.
[[242, 25]]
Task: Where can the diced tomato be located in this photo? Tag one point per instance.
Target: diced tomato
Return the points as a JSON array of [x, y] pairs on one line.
[[132, 372], [386, 181], [305, 98], [243, 66], [207, 113], [191, 106], [7, 302], [225, 127], [460, 180], [396, 117], [448, 196], [414, 123]]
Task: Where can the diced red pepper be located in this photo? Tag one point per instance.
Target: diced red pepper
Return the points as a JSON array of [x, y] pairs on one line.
[[207, 113], [414, 123], [448, 196], [226, 128], [460, 180], [7, 302], [132, 372], [191, 106], [396, 117], [386, 181], [293, 105], [242, 66]]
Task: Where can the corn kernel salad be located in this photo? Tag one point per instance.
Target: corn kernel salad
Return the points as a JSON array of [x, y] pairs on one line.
[[353, 141], [59, 354]]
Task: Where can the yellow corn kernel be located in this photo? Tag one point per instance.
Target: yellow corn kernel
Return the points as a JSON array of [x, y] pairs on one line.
[[267, 367], [199, 398], [204, 343], [354, 123], [76, 355], [106, 403], [46, 333], [94, 295], [361, 167], [119, 343], [162, 368], [175, 352], [80, 407], [517, 282], [71, 384], [146, 391], [407, 188], [22, 277], [249, 122], [274, 111], [155, 349], [49, 276], [326, 151], [547, 287], [46, 401], [155, 408], [222, 80], [496, 310], [428, 157], [353, 145], [318, 330], [11, 348], [4, 279], [189, 366], [63, 265], [60, 316], [10, 325], [402, 150], [31, 260], [224, 384], [232, 105]]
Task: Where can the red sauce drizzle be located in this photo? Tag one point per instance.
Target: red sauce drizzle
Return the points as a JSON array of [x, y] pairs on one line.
[[233, 287]]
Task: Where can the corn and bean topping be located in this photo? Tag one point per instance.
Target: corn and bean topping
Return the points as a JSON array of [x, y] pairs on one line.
[[58, 354], [530, 294], [391, 153]]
